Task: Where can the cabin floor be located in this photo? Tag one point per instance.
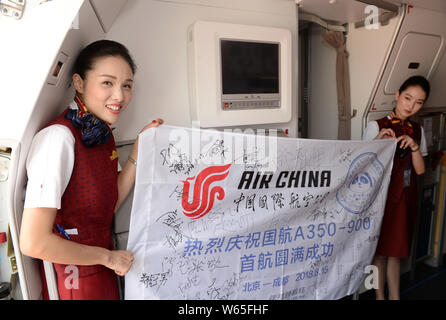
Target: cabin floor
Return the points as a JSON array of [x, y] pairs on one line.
[[429, 283]]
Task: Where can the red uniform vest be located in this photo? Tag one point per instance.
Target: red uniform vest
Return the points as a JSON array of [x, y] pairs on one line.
[[401, 205], [89, 200], [413, 130]]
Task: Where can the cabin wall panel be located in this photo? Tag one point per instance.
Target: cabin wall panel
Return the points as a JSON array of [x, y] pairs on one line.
[[437, 97], [322, 109], [28, 102], [156, 34], [367, 50], [426, 24]]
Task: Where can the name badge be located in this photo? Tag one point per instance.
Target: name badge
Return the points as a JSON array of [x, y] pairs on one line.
[[72, 232]]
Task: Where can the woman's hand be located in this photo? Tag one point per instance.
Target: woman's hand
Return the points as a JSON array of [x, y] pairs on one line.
[[154, 124], [417, 157], [386, 133], [120, 261], [407, 141]]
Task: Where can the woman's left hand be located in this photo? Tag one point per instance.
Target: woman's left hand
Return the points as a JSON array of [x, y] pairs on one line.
[[154, 124], [407, 141]]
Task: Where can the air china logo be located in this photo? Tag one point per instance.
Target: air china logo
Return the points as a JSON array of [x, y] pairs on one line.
[[203, 197]]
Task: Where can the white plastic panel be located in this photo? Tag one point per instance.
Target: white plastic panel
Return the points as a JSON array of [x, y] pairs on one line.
[[31, 47], [58, 69], [155, 32], [416, 55], [28, 51], [5, 265], [107, 11], [438, 80], [420, 39], [54, 42], [340, 10], [205, 74]]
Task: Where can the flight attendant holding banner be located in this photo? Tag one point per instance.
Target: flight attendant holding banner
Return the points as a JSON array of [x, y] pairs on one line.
[[74, 187], [401, 206]]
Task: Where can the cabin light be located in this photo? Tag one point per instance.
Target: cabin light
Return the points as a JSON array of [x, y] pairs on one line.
[[332, 1], [12, 8]]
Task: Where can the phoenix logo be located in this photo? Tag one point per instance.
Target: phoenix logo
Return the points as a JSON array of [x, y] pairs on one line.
[[203, 197]]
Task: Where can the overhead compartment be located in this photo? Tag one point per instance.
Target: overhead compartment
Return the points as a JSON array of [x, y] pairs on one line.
[[417, 55], [417, 49]]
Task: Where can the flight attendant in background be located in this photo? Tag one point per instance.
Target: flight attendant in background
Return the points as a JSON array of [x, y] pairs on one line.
[[73, 183], [401, 205]]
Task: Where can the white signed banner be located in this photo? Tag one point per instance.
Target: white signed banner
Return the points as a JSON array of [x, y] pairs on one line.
[[244, 216]]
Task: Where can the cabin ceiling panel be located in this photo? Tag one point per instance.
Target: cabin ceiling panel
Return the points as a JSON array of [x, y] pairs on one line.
[[341, 11], [353, 11], [435, 5], [280, 7], [107, 11]]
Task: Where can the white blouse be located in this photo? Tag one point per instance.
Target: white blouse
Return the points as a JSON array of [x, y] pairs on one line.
[[49, 166]]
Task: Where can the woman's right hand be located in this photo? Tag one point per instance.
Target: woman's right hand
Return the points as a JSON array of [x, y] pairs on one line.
[[386, 133], [120, 261]]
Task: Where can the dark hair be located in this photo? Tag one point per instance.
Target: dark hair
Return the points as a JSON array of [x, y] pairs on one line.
[[99, 49], [417, 81]]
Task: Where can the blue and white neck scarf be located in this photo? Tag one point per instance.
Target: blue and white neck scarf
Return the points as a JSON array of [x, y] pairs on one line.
[[93, 130]]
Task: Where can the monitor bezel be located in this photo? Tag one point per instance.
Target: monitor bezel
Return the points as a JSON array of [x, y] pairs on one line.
[[250, 96]]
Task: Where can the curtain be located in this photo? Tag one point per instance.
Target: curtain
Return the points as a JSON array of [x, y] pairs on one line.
[[337, 40]]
